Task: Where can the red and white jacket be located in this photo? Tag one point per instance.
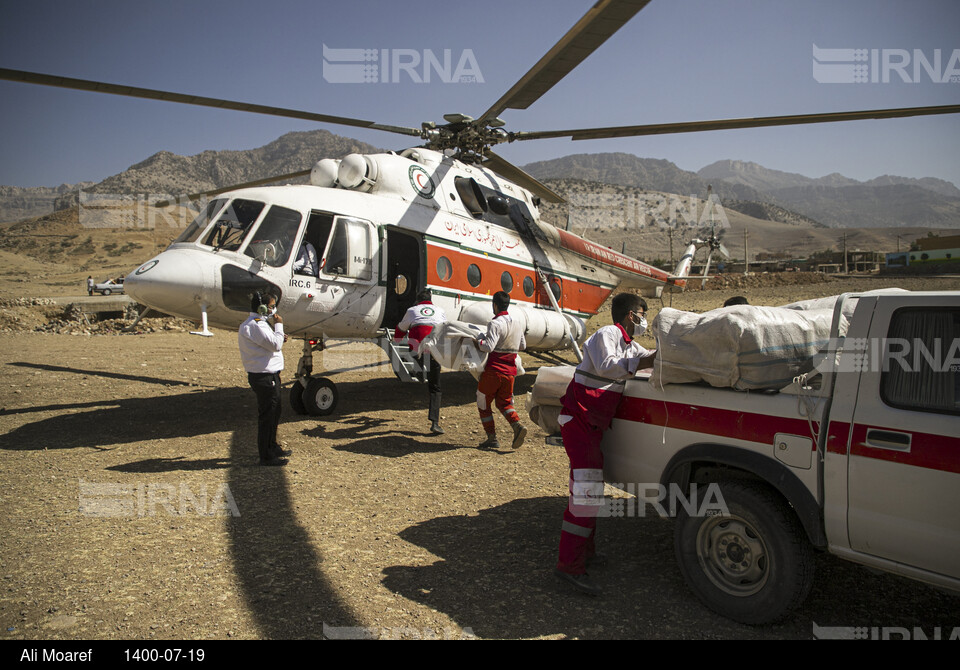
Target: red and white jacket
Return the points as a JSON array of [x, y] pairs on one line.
[[418, 322], [504, 340]]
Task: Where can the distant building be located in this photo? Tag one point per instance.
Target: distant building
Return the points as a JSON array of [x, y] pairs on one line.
[[935, 243], [935, 250], [898, 259]]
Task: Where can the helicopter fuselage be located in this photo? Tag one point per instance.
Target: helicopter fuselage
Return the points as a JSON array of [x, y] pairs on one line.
[[383, 227]]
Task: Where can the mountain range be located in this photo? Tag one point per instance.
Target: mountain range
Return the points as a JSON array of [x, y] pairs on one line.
[[834, 200]]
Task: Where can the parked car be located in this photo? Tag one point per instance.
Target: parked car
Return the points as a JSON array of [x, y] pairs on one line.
[[109, 287]]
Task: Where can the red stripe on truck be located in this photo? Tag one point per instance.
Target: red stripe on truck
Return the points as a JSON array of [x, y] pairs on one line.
[[759, 428], [927, 450]]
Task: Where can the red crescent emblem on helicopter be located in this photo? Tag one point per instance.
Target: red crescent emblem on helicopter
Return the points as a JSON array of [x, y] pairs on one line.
[[421, 181]]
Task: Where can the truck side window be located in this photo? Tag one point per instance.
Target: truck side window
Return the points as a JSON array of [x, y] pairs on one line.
[[921, 360]]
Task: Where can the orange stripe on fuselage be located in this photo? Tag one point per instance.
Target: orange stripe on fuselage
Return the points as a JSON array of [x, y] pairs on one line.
[[578, 296]]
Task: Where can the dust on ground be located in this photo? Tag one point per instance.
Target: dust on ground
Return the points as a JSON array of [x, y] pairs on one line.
[[134, 508]]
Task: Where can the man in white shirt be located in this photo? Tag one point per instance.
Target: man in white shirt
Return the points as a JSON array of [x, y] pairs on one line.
[[261, 350], [610, 357], [306, 263], [416, 324], [503, 341]]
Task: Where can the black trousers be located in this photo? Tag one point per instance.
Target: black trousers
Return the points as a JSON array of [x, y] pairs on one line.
[[266, 385], [431, 368]]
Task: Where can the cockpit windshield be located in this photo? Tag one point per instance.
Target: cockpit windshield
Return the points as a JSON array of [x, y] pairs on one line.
[[275, 236], [233, 224], [192, 232]]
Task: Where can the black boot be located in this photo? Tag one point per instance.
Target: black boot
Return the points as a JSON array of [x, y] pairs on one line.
[[434, 414]]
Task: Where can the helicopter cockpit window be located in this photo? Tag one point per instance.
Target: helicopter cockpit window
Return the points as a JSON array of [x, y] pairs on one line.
[[471, 196], [350, 252], [497, 208], [192, 232], [233, 224], [275, 237]]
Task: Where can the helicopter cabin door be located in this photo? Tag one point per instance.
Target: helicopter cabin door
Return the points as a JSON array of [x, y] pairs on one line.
[[333, 276], [403, 274]]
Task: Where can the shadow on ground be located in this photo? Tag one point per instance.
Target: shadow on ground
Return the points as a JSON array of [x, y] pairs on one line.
[[495, 577], [277, 565]]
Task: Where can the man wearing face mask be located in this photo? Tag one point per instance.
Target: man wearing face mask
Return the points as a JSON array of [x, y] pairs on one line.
[[261, 350], [610, 357]]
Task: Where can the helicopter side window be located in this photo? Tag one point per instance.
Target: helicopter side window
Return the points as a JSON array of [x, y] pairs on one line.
[[315, 238], [233, 224], [350, 254], [198, 225], [274, 239]]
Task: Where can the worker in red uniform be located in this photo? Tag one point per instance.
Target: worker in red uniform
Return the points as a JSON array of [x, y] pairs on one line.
[[610, 357], [503, 340], [416, 324]]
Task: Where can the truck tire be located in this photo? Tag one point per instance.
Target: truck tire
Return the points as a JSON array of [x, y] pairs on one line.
[[107, 291], [320, 397], [752, 566]]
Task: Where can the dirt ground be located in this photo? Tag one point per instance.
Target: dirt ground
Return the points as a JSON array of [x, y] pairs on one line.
[[133, 508]]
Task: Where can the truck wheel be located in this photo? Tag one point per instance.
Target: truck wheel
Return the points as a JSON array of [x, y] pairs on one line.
[[296, 398], [107, 292], [320, 397], [752, 566]]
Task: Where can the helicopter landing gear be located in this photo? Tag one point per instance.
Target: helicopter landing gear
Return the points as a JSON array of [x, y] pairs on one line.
[[320, 397], [316, 396]]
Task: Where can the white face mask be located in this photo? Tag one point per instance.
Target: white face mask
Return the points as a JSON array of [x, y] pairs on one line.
[[640, 328]]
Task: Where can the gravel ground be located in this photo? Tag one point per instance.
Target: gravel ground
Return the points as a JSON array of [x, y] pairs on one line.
[[134, 509]]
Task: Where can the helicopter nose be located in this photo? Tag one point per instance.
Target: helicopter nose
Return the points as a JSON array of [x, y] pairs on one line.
[[172, 283]]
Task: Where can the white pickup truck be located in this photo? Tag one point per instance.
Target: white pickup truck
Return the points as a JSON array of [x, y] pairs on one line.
[[860, 459]]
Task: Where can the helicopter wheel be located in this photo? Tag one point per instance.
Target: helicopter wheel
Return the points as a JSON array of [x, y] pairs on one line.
[[296, 398], [320, 397]]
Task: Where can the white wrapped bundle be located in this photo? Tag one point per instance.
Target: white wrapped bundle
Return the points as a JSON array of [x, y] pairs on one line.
[[551, 384], [547, 417], [831, 302], [453, 344], [742, 347], [546, 397]]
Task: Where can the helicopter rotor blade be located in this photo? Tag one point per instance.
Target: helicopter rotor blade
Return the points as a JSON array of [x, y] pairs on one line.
[[248, 184], [604, 19], [728, 124], [510, 171], [152, 94]]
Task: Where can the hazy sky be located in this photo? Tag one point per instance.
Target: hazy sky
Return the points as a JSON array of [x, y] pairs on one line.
[[677, 60]]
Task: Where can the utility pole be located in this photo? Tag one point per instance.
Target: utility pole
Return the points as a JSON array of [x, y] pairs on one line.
[[670, 235], [746, 253], [845, 270]]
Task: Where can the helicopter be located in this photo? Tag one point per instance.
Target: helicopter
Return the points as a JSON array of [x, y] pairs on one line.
[[450, 215]]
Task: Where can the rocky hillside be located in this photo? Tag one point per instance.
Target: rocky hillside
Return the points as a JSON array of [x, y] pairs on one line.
[[839, 201], [628, 170], [168, 173], [165, 172], [18, 203]]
